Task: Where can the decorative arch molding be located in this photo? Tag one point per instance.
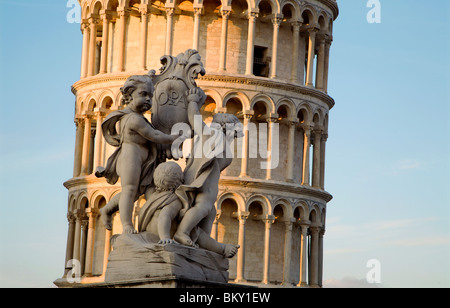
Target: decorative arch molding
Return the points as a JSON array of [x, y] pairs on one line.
[[235, 196]]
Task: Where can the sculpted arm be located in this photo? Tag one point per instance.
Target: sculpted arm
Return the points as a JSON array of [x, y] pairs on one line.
[[148, 132]]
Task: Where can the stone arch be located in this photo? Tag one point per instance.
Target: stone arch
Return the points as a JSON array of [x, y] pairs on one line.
[[112, 5], [214, 95], [274, 4], [126, 3], [304, 113], [72, 203], [90, 102], [95, 199], [263, 201], [82, 201], [314, 215], [323, 21], [97, 6], [301, 211], [309, 15], [290, 107], [285, 205], [266, 100], [242, 97], [236, 197], [118, 100], [323, 216], [317, 117], [103, 99], [78, 106], [85, 11], [294, 10]]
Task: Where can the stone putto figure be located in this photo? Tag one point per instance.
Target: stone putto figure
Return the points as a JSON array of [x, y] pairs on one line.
[[179, 209]]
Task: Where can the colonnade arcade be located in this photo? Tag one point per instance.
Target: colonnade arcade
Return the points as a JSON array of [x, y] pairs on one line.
[[105, 28], [287, 233], [303, 126]]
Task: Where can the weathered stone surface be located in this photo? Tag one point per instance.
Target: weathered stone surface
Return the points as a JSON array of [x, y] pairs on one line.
[[138, 256]]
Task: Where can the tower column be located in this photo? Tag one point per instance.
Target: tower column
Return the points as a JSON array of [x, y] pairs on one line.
[[79, 217], [242, 217], [302, 59], [197, 14], [244, 160], [320, 270], [314, 256], [306, 146], [276, 21], [92, 215], [78, 147], [287, 252], [323, 141], [70, 241], [143, 9], [223, 41], [295, 50], [268, 221], [169, 26], [92, 45], [270, 144], [311, 54], [123, 14], [105, 42], [316, 158], [303, 282], [328, 41], [98, 139], [320, 63], [250, 43], [85, 50], [86, 146], [291, 150]]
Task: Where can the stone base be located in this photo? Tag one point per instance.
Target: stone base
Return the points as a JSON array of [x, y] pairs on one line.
[[137, 257]]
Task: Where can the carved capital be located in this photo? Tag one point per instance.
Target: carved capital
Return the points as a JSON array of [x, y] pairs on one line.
[[170, 11], [198, 11], [252, 16], [71, 218], [225, 13], [277, 19], [143, 9], [122, 12], [94, 19]]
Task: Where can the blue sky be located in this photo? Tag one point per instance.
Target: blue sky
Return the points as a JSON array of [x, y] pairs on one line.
[[387, 153]]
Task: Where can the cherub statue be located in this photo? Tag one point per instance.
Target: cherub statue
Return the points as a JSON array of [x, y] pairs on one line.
[[136, 156], [168, 178], [202, 173]]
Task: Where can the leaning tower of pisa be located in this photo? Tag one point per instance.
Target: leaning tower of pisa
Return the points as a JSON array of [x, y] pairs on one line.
[[266, 62]]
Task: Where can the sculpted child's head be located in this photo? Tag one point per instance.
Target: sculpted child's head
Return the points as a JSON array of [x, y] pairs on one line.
[[168, 176], [137, 92]]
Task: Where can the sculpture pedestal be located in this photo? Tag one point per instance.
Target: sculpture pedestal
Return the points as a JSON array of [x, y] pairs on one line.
[[138, 257]]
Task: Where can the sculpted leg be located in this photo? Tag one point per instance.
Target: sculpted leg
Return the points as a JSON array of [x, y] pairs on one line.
[[108, 210]]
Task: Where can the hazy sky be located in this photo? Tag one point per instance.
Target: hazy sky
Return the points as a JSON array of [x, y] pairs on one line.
[[387, 153]]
